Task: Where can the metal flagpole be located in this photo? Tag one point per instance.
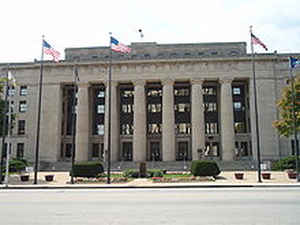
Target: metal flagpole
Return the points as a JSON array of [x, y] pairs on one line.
[[76, 78], [256, 111], [109, 116], [39, 115], [4, 125], [296, 145]]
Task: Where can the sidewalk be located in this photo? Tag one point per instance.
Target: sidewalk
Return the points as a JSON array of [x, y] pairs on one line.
[[225, 179]]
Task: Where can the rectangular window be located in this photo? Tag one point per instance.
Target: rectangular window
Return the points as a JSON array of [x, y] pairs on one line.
[[237, 106], [152, 108], [209, 91], [154, 93], [182, 92], [236, 91], [210, 107], [211, 128], [239, 127], [127, 93], [23, 90], [100, 109], [127, 129], [21, 127], [22, 106], [100, 129], [20, 150], [183, 128], [182, 107], [127, 108], [154, 128], [101, 94], [11, 91]]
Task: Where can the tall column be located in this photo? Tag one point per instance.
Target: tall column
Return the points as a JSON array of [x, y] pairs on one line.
[[139, 122], [198, 123], [83, 122], [168, 121], [227, 130], [114, 123]]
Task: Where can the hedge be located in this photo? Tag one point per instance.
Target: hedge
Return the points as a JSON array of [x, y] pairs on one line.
[[205, 168], [286, 163], [87, 169]]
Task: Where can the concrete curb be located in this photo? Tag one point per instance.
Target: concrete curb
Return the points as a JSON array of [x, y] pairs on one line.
[[157, 186]]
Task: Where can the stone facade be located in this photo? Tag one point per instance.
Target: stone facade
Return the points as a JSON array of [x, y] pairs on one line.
[[195, 66]]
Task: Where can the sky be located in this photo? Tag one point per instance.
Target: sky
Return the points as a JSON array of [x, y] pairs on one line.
[[78, 23]]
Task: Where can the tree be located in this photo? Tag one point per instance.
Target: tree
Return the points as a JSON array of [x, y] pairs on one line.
[[285, 125]]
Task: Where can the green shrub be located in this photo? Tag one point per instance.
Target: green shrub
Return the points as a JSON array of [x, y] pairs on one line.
[[286, 163], [205, 168], [87, 169], [131, 173], [15, 165], [155, 173]]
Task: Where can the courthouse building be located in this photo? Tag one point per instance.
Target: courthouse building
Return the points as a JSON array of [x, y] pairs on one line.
[[170, 102]]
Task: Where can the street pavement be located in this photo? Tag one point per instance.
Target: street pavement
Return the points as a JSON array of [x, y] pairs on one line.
[[209, 206], [225, 179]]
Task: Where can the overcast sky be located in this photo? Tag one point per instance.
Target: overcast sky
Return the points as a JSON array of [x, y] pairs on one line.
[[78, 23]]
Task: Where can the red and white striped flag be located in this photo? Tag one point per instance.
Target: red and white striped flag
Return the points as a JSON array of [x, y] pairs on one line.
[[255, 40], [51, 51]]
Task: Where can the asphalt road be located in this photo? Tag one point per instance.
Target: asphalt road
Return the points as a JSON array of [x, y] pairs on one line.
[[214, 206]]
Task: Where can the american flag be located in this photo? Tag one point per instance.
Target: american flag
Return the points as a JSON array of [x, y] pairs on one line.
[[51, 51], [255, 40], [116, 46]]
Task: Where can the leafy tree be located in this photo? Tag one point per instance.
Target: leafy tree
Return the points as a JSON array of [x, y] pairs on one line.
[[285, 125]]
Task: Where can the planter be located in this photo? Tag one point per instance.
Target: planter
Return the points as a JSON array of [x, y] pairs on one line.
[[24, 178], [266, 176], [239, 176], [49, 178], [292, 175]]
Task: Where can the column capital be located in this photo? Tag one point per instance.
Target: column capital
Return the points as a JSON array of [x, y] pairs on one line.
[[139, 82], [226, 80], [195, 81], [167, 81]]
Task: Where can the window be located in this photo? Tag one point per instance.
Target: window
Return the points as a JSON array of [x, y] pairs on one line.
[[126, 93], [209, 91], [182, 107], [239, 127], [20, 150], [154, 128], [237, 106], [11, 91], [101, 94], [127, 108], [210, 107], [211, 128], [23, 90], [21, 127], [182, 92], [100, 129], [153, 108], [127, 129], [154, 93], [100, 109], [22, 106], [236, 91], [183, 128]]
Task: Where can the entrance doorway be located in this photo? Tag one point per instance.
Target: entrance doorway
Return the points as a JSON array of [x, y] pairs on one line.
[[155, 154], [182, 151], [126, 151]]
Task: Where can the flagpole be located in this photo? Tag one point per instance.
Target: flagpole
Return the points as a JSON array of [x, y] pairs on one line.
[[39, 116], [256, 111], [296, 144], [109, 115], [4, 125]]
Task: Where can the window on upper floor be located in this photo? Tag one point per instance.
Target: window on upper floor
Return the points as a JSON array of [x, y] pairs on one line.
[[23, 90], [21, 127], [22, 106]]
